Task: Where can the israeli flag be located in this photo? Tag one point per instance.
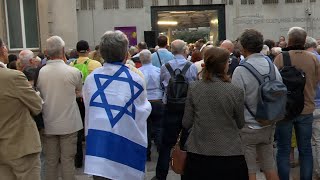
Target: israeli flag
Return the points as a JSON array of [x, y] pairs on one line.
[[116, 123]]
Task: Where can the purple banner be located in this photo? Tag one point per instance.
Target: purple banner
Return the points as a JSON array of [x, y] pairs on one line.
[[131, 32]]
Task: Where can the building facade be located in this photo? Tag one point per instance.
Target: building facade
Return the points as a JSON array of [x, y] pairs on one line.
[[28, 23]]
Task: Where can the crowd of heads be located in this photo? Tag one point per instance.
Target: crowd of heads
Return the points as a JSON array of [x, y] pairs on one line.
[[114, 47]]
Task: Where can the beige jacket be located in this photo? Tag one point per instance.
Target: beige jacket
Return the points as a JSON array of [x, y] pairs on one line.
[[19, 135]]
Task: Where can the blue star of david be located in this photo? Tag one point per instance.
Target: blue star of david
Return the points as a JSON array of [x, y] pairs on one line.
[[104, 102]]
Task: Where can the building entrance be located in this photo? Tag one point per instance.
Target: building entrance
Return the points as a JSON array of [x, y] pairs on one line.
[[189, 23]]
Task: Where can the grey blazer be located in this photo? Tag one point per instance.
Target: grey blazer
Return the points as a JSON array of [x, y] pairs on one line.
[[214, 113]]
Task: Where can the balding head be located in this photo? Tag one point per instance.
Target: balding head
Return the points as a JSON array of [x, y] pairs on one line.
[[26, 58], [228, 45], [145, 56], [203, 50], [179, 47], [142, 46]]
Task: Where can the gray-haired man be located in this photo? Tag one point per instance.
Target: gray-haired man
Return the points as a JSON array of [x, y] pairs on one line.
[[302, 124], [172, 123], [152, 78], [26, 58], [58, 84]]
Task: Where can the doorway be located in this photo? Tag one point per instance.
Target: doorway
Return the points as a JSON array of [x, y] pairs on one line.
[[190, 23]]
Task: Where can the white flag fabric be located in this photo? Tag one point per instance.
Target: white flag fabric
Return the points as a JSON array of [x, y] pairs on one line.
[[116, 123]]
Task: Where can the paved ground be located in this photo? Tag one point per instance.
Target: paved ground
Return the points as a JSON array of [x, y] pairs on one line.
[[172, 176]]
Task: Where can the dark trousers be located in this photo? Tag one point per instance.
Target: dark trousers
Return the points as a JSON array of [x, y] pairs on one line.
[[215, 167], [79, 154], [172, 126], [154, 125]]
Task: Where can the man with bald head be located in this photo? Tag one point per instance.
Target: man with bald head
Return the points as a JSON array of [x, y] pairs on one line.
[[172, 124], [233, 60]]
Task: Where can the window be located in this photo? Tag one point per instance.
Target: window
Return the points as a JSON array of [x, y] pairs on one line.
[[270, 1], [22, 24], [223, 1], [134, 4], [244, 2], [189, 2], [84, 4], [312, 0], [155, 3], [173, 2], [230, 2], [110, 4], [251, 1], [92, 4], [205, 1]]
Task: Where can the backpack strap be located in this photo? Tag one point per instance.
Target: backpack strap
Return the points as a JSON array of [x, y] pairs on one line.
[[272, 71], [170, 69], [253, 71], [75, 62], [185, 68], [259, 77], [249, 110], [159, 58], [87, 61], [286, 58]]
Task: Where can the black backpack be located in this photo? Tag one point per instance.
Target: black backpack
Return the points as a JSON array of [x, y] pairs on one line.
[[295, 81], [272, 96], [177, 88]]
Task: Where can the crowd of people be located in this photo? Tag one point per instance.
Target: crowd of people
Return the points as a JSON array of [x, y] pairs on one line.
[[216, 101]]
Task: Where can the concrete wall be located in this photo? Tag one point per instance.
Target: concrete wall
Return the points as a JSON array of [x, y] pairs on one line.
[[93, 23], [60, 17], [273, 20], [62, 21], [43, 22]]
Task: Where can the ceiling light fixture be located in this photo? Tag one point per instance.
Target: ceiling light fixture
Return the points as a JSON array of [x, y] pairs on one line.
[[214, 21], [167, 22]]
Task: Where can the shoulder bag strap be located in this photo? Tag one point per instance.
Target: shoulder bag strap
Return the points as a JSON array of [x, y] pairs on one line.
[[286, 58], [159, 58], [185, 68], [170, 69]]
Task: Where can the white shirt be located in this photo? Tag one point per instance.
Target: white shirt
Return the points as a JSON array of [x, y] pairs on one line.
[[57, 84], [152, 79]]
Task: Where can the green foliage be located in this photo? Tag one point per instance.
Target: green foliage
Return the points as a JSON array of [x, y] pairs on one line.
[[191, 36]]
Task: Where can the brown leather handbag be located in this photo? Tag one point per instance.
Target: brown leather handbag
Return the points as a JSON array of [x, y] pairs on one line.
[[178, 158]]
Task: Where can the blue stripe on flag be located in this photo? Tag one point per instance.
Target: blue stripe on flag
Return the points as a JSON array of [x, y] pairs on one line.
[[116, 148]]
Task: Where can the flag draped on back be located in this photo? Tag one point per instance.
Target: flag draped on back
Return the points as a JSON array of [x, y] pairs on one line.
[[116, 112]]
